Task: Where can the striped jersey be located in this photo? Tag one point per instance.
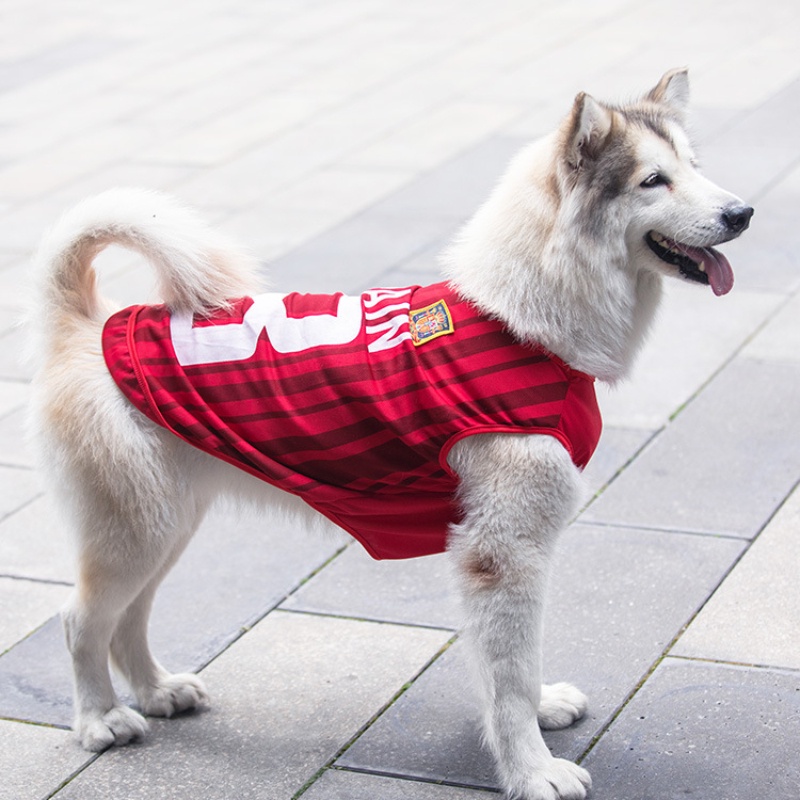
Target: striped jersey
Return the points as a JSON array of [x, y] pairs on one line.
[[350, 403]]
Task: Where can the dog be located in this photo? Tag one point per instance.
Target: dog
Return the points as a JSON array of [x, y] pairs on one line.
[[552, 284]]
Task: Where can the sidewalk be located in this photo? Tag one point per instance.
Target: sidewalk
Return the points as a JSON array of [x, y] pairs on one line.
[[344, 141]]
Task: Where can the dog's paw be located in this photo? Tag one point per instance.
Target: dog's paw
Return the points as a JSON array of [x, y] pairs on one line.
[[118, 726], [560, 706], [173, 694], [557, 780]]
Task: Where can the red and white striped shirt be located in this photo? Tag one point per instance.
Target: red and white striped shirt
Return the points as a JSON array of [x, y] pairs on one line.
[[350, 403]]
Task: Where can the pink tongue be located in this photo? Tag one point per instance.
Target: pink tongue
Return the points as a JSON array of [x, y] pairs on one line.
[[717, 267]]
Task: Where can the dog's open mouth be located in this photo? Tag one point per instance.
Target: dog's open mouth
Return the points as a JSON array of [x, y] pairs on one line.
[[701, 264]]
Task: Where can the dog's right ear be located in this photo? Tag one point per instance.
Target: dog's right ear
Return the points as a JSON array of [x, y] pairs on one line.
[[588, 127]]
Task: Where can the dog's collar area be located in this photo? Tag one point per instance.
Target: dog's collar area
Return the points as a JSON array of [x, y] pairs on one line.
[[700, 264]]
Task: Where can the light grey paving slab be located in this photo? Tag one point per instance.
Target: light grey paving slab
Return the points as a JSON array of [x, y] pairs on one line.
[[414, 591], [765, 258], [780, 338], [14, 447], [694, 335], [616, 448], [337, 784], [704, 730], [18, 487], [24, 606], [723, 465], [347, 257], [454, 190], [754, 617], [237, 568], [35, 760], [12, 366], [13, 395], [35, 544], [617, 599], [286, 698]]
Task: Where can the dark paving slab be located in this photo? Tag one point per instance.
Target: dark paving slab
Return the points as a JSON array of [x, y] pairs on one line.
[[724, 465], [285, 699], [704, 730], [235, 570], [415, 591], [617, 600]]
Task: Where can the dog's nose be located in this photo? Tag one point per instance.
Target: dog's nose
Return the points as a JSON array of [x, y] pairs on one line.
[[737, 218]]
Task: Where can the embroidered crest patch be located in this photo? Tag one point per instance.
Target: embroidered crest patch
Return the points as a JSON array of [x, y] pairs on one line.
[[428, 323]]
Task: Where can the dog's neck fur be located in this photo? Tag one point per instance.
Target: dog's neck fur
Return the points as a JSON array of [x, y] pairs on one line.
[[524, 259]]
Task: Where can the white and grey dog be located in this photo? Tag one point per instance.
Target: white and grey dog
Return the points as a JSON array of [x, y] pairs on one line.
[[568, 253]]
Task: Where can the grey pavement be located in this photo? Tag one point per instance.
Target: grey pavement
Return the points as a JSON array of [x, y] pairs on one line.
[[344, 142]]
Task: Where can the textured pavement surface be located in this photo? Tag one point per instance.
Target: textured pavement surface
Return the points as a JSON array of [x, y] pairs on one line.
[[344, 141]]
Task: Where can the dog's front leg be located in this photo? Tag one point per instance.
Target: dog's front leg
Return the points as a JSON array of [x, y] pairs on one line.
[[517, 493]]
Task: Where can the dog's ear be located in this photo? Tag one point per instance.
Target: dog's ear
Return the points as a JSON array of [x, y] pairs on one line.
[[672, 90], [589, 126]]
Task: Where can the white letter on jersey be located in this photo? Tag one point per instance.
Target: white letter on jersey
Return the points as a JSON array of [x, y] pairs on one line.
[[236, 341]]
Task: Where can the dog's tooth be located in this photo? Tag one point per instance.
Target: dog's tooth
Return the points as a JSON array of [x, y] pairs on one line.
[[702, 266]]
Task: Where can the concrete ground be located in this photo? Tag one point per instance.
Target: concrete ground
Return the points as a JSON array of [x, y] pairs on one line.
[[344, 141]]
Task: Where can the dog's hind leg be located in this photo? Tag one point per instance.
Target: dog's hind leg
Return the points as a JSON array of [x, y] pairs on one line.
[[517, 493], [158, 692], [132, 527]]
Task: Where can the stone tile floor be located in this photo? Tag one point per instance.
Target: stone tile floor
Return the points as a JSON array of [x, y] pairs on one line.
[[344, 141]]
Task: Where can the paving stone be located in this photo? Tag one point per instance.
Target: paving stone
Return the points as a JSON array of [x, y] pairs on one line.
[[17, 488], [779, 340], [13, 394], [723, 465], [25, 605], [337, 784], [616, 448], [348, 256], [617, 599], [414, 591], [754, 617], [456, 189], [695, 334], [35, 760], [244, 566], [286, 698], [15, 449], [704, 730], [34, 543]]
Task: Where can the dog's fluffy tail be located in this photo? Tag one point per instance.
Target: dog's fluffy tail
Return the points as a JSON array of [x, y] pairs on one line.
[[197, 269]]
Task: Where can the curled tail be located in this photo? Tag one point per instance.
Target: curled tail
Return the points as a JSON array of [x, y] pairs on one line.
[[197, 269]]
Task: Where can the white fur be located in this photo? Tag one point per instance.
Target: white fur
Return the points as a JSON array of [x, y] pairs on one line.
[[135, 494]]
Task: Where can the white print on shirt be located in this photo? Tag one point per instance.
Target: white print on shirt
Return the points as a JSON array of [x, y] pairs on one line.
[[237, 341]]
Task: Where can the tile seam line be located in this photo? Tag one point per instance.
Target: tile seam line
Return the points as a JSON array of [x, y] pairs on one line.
[[32, 579], [630, 526], [718, 662], [666, 653], [374, 718], [399, 776], [736, 353], [374, 621]]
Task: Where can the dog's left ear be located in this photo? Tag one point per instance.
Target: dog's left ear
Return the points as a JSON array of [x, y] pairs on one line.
[[588, 128], [672, 90]]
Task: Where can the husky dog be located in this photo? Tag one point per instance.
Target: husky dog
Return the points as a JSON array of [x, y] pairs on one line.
[[565, 260]]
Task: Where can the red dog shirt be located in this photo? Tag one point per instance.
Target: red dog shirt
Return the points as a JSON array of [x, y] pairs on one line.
[[350, 403]]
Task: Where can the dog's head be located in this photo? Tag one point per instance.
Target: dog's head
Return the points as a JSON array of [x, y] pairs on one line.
[[633, 171]]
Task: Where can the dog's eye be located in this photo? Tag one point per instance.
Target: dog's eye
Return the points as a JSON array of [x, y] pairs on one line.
[[656, 179]]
